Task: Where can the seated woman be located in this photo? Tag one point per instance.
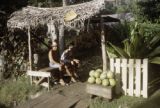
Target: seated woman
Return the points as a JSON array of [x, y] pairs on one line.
[[54, 61], [69, 62]]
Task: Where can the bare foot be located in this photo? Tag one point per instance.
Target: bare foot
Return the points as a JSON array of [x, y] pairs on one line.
[[73, 80], [62, 82]]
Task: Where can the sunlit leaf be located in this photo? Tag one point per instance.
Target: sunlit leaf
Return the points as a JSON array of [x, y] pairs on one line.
[[120, 51], [155, 60]]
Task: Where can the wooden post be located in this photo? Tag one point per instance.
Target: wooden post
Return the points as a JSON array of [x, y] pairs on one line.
[[61, 39], [64, 2], [2, 60], [104, 58], [29, 48], [48, 84], [61, 33]]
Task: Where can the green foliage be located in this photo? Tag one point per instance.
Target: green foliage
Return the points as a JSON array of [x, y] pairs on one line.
[[137, 46], [122, 102], [109, 8], [149, 10], [14, 48], [146, 10], [16, 90], [123, 9], [117, 32]]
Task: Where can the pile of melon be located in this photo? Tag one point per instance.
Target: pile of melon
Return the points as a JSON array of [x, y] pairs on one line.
[[99, 77]]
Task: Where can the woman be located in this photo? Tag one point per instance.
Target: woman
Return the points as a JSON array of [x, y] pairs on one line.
[[54, 61]]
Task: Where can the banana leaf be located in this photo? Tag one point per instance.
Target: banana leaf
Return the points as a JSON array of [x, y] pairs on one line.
[[126, 44], [120, 51], [154, 41], [155, 52], [111, 53], [155, 60]]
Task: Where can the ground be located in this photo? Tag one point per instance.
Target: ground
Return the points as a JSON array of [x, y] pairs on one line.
[[71, 96]]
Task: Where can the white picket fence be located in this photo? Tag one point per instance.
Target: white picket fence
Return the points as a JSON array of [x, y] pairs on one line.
[[131, 76]]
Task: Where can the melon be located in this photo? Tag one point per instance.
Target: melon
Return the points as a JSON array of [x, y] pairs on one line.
[[91, 73], [110, 75], [99, 70], [103, 76], [91, 80], [112, 82], [105, 82], [97, 74], [104, 71], [98, 81]]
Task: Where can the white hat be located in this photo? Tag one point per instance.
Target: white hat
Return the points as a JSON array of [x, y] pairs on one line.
[[70, 15]]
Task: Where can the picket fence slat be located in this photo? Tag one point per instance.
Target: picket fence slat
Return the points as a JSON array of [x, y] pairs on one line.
[[131, 84], [118, 77], [124, 75], [131, 76], [112, 64], [145, 78], [138, 77]]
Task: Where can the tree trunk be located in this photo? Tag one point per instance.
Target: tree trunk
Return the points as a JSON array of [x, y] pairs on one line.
[[29, 48], [61, 39], [104, 58], [61, 34]]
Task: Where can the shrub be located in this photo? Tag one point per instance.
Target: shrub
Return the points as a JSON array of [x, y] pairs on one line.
[[16, 91]]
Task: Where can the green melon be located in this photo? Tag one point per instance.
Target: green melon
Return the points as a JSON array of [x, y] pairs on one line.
[[110, 75], [98, 81], [105, 82], [97, 74], [91, 80], [112, 82], [91, 73], [99, 70], [103, 76]]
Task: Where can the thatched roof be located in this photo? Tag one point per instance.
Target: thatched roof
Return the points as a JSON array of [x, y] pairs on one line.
[[32, 16]]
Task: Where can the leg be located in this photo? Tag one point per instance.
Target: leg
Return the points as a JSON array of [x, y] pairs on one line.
[[61, 81], [74, 67], [68, 71]]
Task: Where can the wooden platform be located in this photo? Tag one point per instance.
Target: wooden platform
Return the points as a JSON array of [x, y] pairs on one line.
[[72, 96]]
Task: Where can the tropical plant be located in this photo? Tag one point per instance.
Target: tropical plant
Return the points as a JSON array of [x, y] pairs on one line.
[[137, 46]]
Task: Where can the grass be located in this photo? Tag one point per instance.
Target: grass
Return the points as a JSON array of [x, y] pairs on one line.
[[15, 91], [122, 102], [128, 102], [151, 102]]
